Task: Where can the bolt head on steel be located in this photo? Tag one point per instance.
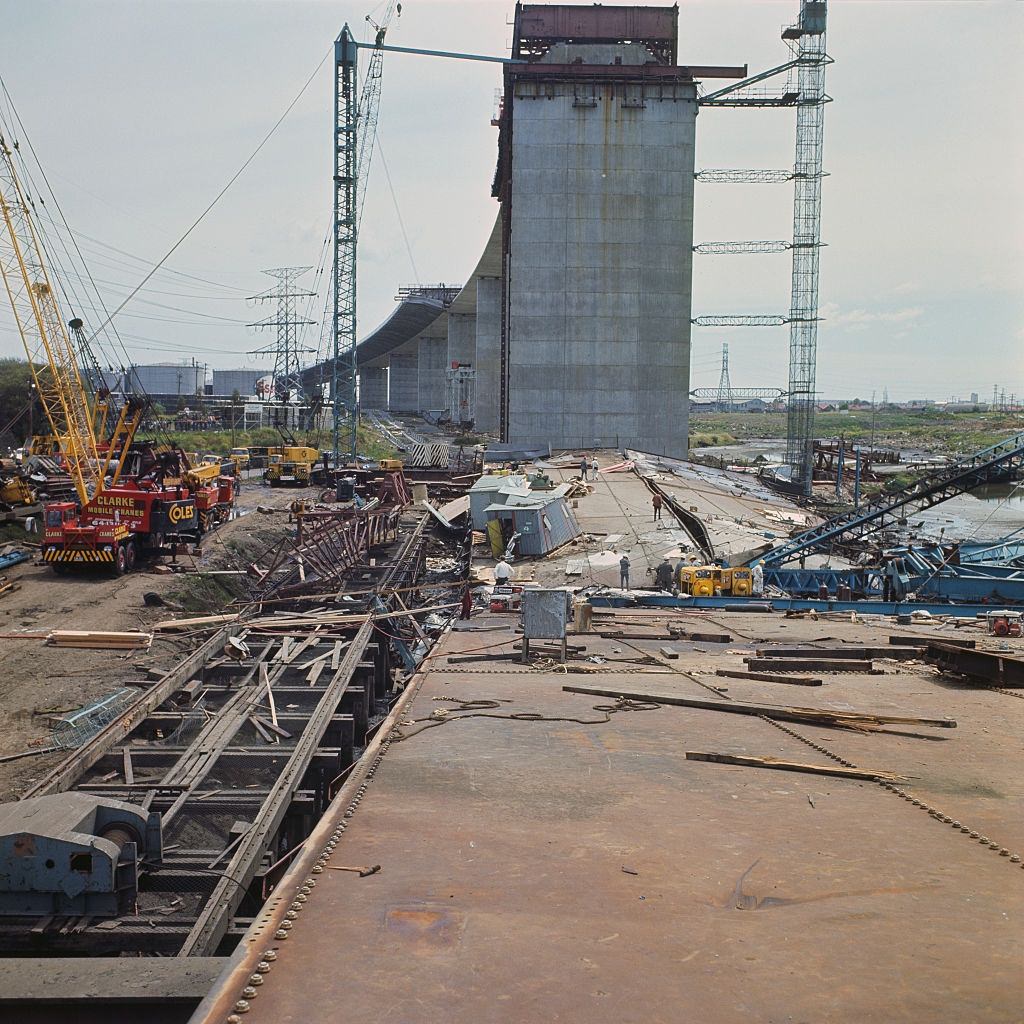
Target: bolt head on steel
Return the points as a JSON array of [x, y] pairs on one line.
[[249, 992], [234, 1019], [280, 934], [263, 967], [317, 870], [242, 1006], [292, 915], [255, 979], [270, 955]]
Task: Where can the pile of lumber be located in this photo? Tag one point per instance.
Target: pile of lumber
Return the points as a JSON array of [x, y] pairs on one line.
[[6, 585], [100, 640]]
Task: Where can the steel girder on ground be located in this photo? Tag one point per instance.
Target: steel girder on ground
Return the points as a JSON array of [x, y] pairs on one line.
[[329, 543]]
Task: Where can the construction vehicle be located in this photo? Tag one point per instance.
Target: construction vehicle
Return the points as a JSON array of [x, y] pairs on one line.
[[129, 499], [292, 464], [240, 456]]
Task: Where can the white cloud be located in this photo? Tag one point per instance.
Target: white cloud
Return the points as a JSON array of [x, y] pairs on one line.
[[861, 319]]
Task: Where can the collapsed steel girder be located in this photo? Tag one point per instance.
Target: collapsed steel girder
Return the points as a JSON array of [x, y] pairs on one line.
[[991, 465]]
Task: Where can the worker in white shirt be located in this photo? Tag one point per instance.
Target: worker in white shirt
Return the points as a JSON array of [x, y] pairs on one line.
[[757, 579], [502, 573]]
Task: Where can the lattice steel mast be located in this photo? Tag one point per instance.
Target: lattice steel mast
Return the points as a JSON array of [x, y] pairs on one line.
[[809, 38], [724, 401], [807, 63], [286, 350]]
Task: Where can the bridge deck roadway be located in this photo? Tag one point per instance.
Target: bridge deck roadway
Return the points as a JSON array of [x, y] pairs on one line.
[[588, 873]]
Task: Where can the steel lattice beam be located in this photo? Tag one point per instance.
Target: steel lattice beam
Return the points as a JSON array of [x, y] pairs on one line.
[[721, 248], [740, 320], [720, 175]]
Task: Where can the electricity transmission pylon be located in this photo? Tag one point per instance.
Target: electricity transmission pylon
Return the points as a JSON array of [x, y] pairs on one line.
[[286, 350], [724, 402]]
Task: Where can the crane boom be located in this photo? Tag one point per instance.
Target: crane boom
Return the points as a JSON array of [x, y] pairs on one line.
[[51, 355]]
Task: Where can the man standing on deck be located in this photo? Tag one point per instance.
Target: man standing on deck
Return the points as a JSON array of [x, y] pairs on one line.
[[657, 501], [624, 572], [502, 573], [584, 466], [663, 575]]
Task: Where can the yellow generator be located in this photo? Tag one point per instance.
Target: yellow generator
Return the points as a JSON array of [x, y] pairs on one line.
[[697, 580], [390, 465], [708, 580], [737, 582]]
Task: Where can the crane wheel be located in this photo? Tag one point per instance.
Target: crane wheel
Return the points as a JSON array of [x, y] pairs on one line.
[[131, 556], [121, 560]]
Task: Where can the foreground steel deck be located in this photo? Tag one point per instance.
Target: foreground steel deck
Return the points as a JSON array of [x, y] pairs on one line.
[[552, 870]]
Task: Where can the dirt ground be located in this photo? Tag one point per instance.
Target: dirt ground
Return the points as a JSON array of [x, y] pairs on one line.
[[38, 682]]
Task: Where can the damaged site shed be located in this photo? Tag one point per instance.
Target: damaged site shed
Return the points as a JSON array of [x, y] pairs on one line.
[[543, 520]]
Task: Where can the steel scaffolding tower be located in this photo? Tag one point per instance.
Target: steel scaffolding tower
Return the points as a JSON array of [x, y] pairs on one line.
[[343, 379], [724, 400], [286, 350], [806, 92], [808, 37]]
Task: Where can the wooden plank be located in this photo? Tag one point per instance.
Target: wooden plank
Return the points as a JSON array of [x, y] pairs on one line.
[[766, 677], [129, 772], [336, 654], [180, 625], [794, 766], [314, 672], [265, 733], [822, 716]]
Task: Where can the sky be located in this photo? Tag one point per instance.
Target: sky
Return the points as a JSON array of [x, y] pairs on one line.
[[140, 112]]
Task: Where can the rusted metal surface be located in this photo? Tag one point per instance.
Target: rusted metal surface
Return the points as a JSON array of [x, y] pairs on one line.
[[537, 26], [541, 870]]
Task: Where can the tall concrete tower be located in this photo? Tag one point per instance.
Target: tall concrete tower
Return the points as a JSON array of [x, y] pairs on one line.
[[595, 178]]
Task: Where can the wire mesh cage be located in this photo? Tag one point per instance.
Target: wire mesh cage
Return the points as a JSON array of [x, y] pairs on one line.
[[71, 731]]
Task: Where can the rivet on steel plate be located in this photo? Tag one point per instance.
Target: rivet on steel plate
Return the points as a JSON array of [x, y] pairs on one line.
[[301, 898], [1004, 852], [286, 925], [280, 934], [965, 830], [270, 955], [263, 967], [249, 992], [1014, 858], [241, 1006], [296, 905], [309, 881], [255, 979], [291, 915], [234, 1019], [993, 846]]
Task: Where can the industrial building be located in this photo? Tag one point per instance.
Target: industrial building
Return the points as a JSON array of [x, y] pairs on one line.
[[244, 381], [574, 327], [167, 379]]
